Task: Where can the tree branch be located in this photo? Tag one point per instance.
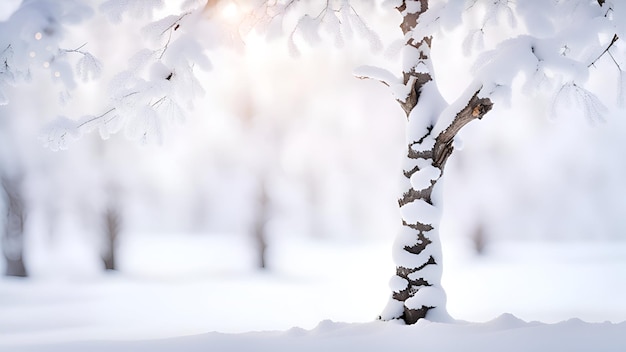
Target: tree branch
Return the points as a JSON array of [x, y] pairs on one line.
[[615, 38], [476, 108]]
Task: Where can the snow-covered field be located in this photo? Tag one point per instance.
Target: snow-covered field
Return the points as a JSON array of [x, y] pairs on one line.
[[199, 293]]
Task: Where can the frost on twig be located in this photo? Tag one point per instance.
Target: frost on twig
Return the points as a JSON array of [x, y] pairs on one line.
[[87, 67], [490, 14], [60, 133], [157, 88], [338, 20], [30, 41], [138, 9], [572, 96]]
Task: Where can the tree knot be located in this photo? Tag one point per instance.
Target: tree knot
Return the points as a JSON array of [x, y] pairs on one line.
[[483, 107]]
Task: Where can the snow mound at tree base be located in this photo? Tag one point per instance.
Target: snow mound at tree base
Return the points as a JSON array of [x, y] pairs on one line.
[[505, 333]]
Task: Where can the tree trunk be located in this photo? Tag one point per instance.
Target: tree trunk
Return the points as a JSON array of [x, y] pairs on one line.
[[416, 287], [112, 228], [13, 236], [260, 236]]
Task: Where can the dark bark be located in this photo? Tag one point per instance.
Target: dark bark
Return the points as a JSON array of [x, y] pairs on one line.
[[13, 234]]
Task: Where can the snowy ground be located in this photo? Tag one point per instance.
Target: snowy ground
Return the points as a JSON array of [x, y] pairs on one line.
[[319, 295]]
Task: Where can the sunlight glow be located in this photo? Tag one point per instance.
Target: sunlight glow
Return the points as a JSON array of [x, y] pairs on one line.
[[230, 12]]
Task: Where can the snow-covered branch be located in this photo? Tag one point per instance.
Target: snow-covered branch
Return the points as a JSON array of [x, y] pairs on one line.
[[339, 20], [158, 86], [30, 40], [475, 109]]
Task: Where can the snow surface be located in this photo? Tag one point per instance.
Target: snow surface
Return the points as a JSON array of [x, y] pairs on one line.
[[320, 295], [505, 333]]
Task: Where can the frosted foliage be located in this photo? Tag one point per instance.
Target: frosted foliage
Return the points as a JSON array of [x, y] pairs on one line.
[[144, 126], [192, 4], [60, 134], [155, 30], [336, 19], [30, 41], [573, 96], [473, 41], [115, 9], [555, 45], [106, 124], [159, 84], [88, 67], [539, 61], [486, 14]]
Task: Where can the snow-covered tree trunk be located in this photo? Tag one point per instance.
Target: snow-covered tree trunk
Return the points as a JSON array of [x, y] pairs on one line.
[[417, 291], [13, 236]]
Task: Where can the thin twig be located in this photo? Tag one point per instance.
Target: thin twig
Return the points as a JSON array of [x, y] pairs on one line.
[[615, 38]]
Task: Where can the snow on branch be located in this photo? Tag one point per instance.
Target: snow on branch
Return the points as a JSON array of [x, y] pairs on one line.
[[399, 90], [455, 117], [30, 41], [157, 88], [489, 15], [60, 134], [139, 9], [337, 19], [328, 20], [376, 73], [572, 96], [87, 67]]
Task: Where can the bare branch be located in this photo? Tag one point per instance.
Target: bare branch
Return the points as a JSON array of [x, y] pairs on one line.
[[94, 118]]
